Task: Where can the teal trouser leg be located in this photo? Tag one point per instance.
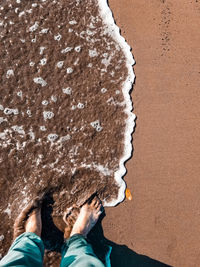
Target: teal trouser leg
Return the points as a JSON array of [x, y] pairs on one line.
[[27, 250], [77, 252]]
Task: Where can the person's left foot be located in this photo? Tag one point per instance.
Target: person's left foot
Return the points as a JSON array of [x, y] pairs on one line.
[[29, 220]]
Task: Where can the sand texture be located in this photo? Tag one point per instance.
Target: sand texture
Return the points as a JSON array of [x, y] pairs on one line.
[[163, 219], [65, 111]]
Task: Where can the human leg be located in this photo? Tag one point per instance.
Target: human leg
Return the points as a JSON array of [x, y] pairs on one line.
[[76, 250], [27, 248]]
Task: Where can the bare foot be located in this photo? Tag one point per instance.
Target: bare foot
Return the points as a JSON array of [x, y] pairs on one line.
[[87, 218], [70, 218], [29, 220], [34, 222]]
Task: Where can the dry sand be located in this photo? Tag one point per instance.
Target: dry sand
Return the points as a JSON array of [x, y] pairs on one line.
[[163, 219]]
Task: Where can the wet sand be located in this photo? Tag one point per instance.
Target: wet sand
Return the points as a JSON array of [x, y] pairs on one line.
[[163, 219]]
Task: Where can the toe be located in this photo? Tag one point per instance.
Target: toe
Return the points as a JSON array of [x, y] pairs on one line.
[[94, 202], [97, 203]]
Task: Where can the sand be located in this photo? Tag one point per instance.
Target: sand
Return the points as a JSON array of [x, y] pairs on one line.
[[163, 219]]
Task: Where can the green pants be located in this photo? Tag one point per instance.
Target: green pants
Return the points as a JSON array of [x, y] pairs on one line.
[[28, 250]]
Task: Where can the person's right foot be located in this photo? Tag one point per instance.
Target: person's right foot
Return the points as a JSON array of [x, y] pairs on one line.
[[34, 222], [87, 218], [29, 220]]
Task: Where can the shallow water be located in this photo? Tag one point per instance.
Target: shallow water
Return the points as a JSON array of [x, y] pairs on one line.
[[64, 106]]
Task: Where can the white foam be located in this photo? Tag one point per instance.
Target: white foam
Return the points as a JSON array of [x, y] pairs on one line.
[[9, 73], [9, 111], [78, 48], [40, 81], [69, 70], [45, 30], [57, 37], [60, 64], [19, 93], [96, 125], [2, 119], [34, 27], [48, 115], [45, 102], [31, 134], [54, 98], [8, 210], [67, 90], [80, 105], [67, 49], [113, 30], [52, 137], [100, 168], [64, 138], [43, 61], [72, 22], [103, 90], [93, 53], [28, 112], [42, 49], [32, 63], [18, 129], [43, 128]]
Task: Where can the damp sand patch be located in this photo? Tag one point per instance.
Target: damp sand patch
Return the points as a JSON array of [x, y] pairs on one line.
[[65, 109]]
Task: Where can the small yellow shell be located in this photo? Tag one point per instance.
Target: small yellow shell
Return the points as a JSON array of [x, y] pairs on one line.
[[128, 194]]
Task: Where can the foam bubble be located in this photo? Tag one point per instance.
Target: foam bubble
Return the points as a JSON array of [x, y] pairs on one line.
[[103, 90], [43, 128], [2, 119], [40, 81], [67, 90], [78, 48], [45, 30], [69, 70], [9, 111], [80, 105], [18, 129], [72, 22], [67, 49], [34, 27], [73, 107], [93, 53], [1, 238], [52, 137], [32, 63], [45, 102], [21, 14], [43, 61], [42, 49], [53, 98], [9, 73], [96, 125], [60, 64], [48, 115], [65, 138], [57, 37], [28, 112], [19, 93]]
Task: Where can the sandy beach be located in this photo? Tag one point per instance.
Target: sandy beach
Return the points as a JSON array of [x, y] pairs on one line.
[[163, 219], [161, 224]]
